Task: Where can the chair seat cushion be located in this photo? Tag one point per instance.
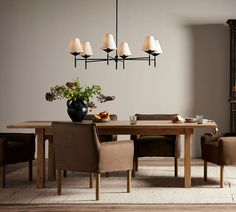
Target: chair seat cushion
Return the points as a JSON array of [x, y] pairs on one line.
[[210, 152], [155, 146]]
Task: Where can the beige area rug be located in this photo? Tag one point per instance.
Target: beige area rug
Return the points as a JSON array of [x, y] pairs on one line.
[[152, 185]]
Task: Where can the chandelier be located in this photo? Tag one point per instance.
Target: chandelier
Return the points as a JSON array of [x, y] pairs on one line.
[[151, 47]]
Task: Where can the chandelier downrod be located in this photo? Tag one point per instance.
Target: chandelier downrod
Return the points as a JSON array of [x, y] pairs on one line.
[[116, 24], [117, 35], [151, 47]]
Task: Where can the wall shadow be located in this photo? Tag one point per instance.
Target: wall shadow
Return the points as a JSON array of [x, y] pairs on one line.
[[211, 71]]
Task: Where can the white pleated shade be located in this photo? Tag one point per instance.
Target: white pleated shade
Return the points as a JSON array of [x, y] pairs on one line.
[[108, 42], [159, 50], [149, 44], [124, 50], [75, 46], [87, 49]]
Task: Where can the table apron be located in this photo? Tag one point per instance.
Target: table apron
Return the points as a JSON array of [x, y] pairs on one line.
[[141, 131]]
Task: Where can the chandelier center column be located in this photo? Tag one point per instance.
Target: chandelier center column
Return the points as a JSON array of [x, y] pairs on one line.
[[116, 57]]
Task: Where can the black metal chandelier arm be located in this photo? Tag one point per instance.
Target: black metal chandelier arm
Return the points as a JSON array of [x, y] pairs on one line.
[[113, 58], [116, 58], [99, 59], [92, 59], [95, 60], [139, 58]]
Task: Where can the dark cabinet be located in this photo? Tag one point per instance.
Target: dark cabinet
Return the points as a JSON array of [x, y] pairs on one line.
[[232, 100]]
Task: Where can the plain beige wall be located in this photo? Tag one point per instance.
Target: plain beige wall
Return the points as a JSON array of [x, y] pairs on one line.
[[192, 75]]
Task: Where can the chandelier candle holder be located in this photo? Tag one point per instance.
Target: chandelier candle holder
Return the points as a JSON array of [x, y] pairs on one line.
[[151, 46]]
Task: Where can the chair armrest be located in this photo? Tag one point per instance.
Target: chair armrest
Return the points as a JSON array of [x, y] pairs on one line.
[[227, 148], [26, 137], [208, 137], [2, 149], [116, 156]]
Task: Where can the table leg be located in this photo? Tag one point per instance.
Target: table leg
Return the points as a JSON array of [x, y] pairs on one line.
[[187, 159], [51, 160], [40, 179]]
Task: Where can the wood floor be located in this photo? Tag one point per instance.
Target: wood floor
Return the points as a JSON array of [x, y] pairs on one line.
[[119, 207]]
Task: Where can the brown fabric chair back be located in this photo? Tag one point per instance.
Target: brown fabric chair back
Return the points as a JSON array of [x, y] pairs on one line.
[[2, 150], [16, 147], [113, 117], [155, 116], [76, 146], [104, 138], [163, 148]]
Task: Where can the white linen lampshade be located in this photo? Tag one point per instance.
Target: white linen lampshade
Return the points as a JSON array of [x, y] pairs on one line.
[[108, 43], [87, 49], [75, 46], [124, 50], [149, 44], [159, 50]]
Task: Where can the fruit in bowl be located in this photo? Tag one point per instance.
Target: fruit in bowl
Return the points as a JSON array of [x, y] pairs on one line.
[[103, 117]]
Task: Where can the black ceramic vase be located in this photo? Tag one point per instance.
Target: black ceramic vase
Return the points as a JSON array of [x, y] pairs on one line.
[[77, 110]]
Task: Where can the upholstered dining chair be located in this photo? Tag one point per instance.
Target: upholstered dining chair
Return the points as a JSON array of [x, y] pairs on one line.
[[220, 150], [77, 148], [102, 138], [16, 148], [156, 146]]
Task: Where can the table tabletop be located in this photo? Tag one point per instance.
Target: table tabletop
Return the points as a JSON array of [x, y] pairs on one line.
[[123, 123]]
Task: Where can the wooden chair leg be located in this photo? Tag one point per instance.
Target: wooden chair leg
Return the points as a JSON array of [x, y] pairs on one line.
[[30, 170], [2, 175], [64, 173], [133, 173], [90, 180], [222, 176], [176, 167], [107, 174], [51, 160], [128, 181], [98, 186], [136, 164], [59, 182], [205, 170]]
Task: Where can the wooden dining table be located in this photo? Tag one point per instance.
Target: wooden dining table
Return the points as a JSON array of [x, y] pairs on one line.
[[44, 128]]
